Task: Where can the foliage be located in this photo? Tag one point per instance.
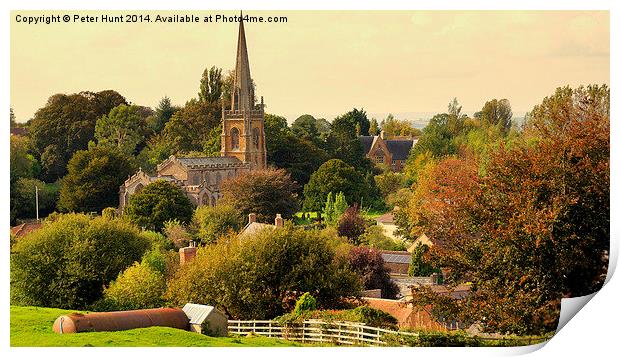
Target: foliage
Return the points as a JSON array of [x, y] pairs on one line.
[[260, 276], [535, 227], [67, 262], [418, 266], [30, 327], [93, 179], [370, 267], [334, 208], [263, 192], [305, 128], [361, 314], [286, 150], [157, 203], [389, 182], [22, 163], [23, 200], [394, 127], [351, 224], [164, 111], [374, 127], [65, 125], [333, 176], [374, 237], [306, 302], [176, 233], [496, 113], [189, 126], [138, 287], [210, 223], [122, 128], [211, 85]]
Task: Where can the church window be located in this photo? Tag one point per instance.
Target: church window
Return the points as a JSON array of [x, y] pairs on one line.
[[234, 138]]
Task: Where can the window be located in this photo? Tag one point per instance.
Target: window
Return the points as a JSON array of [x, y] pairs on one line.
[[256, 134], [234, 138]]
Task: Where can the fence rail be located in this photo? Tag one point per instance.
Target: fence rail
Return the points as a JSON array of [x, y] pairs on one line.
[[315, 331]]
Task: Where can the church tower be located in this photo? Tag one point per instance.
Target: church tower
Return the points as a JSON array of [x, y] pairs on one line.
[[243, 126]]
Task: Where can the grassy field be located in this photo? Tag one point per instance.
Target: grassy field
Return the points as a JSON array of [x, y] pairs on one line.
[[32, 327]]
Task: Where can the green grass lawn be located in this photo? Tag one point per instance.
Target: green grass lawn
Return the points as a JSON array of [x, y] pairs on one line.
[[32, 327]]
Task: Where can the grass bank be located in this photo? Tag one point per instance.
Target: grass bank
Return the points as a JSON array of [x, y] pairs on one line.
[[32, 327]]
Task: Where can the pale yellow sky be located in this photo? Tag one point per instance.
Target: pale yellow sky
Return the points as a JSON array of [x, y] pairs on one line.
[[320, 62]]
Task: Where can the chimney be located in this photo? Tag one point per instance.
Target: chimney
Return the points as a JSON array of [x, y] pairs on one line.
[[279, 221], [252, 218], [188, 253]]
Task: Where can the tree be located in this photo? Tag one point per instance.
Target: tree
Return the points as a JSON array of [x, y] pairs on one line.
[[138, 287], [65, 125], [418, 266], [23, 200], [93, 179], [351, 225], [12, 118], [333, 176], [211, 85], [374, 127], [334, 208], [370, 267], [375, 238], [305, 128], [394, 127], [22, 163], [286, 150], [263, 192], [67, 262], [497, 112], [157, 203], [343, 140], [535, 226], [122, 128], [188, 127], [261, 276], [389, 182], [211, 223], [164, 111]]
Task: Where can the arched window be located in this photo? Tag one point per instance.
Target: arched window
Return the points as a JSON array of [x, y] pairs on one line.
[[234, 138], [256, 134]]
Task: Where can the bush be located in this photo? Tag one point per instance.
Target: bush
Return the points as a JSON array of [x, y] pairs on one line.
[[177, 234], [257, 277], [157, 203], [362, 314], [66, 263], [369, 266], [305, 303], [211, 223], [418, 266], [138, 287], [351, 225]]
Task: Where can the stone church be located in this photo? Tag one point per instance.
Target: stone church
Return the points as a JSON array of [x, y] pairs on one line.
[[243, 146]]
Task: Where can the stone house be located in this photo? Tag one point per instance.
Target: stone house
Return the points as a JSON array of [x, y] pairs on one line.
[[392, 152]]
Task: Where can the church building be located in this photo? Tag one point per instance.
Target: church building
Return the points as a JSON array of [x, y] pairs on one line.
[[243, 146]]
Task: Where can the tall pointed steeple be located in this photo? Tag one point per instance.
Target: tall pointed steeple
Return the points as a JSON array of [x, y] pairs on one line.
[[243, 91]]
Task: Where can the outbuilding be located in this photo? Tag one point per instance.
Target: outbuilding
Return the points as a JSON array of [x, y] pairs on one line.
[[206, 320]]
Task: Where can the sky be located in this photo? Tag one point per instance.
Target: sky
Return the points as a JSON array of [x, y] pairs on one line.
[[324, 63]]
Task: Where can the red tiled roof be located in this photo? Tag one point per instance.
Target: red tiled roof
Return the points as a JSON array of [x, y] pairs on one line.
[[25, 228], [401, 311]]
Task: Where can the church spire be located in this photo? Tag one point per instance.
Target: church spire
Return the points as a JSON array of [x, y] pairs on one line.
[[243, 91]]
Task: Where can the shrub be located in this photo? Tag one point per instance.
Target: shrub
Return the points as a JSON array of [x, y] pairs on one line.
[[66, 263], [351, 225], [138, 287], [157, 203], [211, 223], [177, 234], [375, 238], [257, 277], [418, 266], [306, 302], [369, 266]]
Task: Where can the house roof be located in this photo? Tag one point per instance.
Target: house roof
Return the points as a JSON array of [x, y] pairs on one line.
[[386, 218], [399, 148], [392, 256], [25, 228], [401, 311], [19, 131], [199, 161], [254, 227], [367, 142], [458, 292]]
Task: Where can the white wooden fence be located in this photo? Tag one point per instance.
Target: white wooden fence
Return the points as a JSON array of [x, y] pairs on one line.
[[316, 331]]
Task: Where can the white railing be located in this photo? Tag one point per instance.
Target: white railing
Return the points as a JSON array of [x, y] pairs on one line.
[[315, 331]]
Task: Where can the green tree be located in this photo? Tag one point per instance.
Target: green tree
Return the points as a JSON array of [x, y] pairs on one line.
[[333, 176], [164, 111], [374, 127], [211, 223], [263, 192], [65, 125], [188, 127], [93, 180], [157, 203], [211, 85], [496, 113], [12, 117], [418, 266], [394, 127], [138, 287], [305, 128], [343, 142], [261, 275], [122, 128], [67, 262], [23, 200], [22, 163]]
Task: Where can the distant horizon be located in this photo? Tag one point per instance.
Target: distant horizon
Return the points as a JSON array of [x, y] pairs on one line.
[[325, 63]]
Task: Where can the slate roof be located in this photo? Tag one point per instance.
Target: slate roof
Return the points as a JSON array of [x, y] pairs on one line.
[[197, 161], [367, 143], [399, 148], [396, 257]]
